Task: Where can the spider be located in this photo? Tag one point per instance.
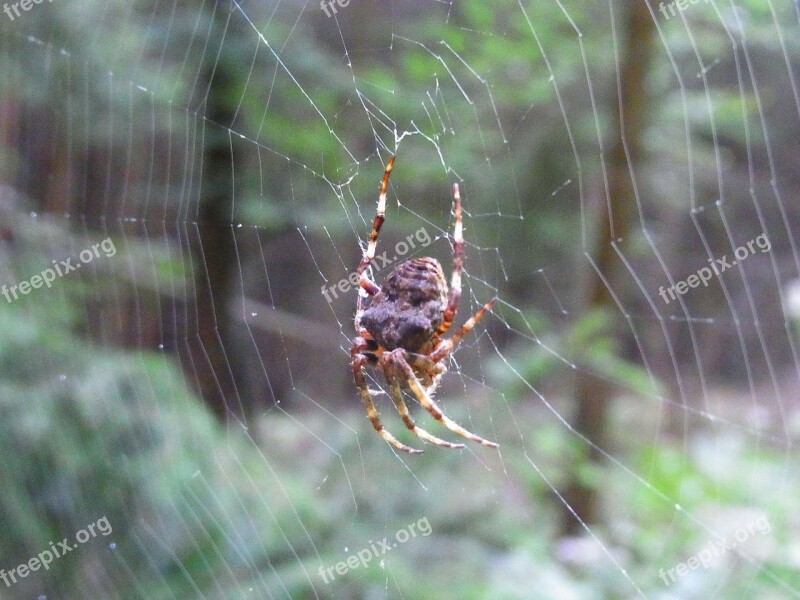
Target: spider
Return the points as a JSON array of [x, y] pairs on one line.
[[400, 333]]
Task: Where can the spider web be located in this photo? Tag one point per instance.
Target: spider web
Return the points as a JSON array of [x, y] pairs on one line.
[[303, 482]]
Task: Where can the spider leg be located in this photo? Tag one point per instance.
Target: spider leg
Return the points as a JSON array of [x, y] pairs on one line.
[[368, 287], [458, 262], [431, 406], [369, 255], [397, 396], [447, 346], [359, 360]]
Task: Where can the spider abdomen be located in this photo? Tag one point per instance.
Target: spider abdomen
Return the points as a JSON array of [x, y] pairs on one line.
[[409, 308]]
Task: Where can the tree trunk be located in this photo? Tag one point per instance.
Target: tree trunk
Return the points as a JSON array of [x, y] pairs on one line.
[[614, 220], [214, 251]]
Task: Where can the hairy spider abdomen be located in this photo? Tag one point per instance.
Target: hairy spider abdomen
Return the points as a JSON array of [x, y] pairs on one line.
[[408, 310]]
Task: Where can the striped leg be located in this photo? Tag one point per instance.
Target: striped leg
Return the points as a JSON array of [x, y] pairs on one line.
[[447, 345], [369, 287], [397, 396], [458, 263], [430, 405], [369, 255], [359, 360]]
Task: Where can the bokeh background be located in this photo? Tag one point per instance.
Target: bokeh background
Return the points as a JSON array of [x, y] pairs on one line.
[[193, 387]]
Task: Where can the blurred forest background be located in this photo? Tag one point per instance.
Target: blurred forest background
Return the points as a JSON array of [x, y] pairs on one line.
[[194, 388]]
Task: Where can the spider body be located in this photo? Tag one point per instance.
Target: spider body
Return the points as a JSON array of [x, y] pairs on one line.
[[400, 332], [408, 310]]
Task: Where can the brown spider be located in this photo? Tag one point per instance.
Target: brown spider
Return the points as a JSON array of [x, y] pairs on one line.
[[400, 333]]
